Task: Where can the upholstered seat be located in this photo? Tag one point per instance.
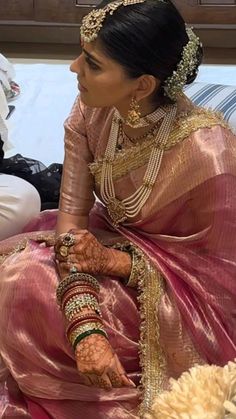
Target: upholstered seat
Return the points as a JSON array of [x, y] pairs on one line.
[[217, 97]]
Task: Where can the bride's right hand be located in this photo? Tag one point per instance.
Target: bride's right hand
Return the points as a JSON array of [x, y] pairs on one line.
[[99, 365]]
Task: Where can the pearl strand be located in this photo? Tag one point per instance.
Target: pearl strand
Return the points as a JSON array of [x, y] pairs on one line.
[[131, 206]]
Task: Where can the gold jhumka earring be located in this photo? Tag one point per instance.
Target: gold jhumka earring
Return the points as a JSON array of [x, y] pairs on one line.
[[134, 115]]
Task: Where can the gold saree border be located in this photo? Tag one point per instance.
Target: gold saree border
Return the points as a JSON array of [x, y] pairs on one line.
[[16, 249], [152, 359], [151, 288], [138, 155], [48, 239]]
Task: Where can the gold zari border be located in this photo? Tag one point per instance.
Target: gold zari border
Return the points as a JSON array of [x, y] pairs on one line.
[[18, 248], [152, 360], [138, 155], [48, 239]]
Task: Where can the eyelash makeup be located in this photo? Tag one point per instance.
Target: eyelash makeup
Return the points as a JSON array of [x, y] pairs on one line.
[[91, 64]]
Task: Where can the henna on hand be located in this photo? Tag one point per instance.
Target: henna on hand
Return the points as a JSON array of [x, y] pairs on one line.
[[90, 256], [119, 263], [90, 354], [98, 363]]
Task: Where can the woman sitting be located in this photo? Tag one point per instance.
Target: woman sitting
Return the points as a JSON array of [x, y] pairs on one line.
[[145, 279]]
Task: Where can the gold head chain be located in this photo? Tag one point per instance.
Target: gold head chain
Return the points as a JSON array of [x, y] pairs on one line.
[[92, 23]]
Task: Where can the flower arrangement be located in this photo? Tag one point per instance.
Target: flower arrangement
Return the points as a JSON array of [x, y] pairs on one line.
[[203, 392]]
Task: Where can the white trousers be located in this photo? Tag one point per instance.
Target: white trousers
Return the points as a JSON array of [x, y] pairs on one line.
[[19, 203]]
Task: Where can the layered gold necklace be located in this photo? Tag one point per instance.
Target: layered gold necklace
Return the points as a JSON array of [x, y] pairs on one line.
[[121, 210], [122, 136]]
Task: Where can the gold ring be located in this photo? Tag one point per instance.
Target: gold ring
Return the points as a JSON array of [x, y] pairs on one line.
[[68, 240], [64, 251]]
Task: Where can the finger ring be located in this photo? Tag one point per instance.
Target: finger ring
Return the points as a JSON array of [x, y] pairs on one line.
[[64, 251], [68, 240], [73, 270]]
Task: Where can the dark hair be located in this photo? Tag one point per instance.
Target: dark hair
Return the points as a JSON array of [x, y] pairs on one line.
[[146, 38]]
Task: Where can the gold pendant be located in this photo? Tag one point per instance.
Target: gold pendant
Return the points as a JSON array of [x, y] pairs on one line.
[[117, 211]]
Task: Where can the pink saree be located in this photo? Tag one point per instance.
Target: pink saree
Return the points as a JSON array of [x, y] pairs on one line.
[[184, 311]]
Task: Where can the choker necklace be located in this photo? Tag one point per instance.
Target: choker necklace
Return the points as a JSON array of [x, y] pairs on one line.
[[122, 136], [121, 210], [145, 121]]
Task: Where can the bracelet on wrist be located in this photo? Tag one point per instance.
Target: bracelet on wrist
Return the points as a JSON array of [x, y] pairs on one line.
[[88, 333], [83, 328], [72, 278], [138, 265], [73, 296], [88, 317], [82, 302]]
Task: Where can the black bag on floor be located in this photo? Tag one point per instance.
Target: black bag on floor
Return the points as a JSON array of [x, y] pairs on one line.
[[46, 180]]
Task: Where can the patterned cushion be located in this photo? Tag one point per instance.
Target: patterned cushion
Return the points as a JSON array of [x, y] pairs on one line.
[[215, 96]]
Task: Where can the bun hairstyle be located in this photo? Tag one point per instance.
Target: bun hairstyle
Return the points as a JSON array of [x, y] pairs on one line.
[[147, 38]]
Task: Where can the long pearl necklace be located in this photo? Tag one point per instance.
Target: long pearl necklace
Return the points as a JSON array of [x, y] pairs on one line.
[[120, 210]]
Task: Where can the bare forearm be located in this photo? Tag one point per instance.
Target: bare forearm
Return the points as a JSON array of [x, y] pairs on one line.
[[66, 222]]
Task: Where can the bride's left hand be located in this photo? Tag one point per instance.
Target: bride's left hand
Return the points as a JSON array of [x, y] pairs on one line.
[[86, 254]]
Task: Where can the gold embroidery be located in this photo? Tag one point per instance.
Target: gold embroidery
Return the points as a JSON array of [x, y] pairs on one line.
[[152, 359], [48, 239], [138, 155], [18, 248]]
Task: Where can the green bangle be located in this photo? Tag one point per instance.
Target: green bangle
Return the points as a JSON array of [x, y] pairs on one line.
[[88, 333]]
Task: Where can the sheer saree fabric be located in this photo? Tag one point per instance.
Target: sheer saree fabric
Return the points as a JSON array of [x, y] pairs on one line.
[[187, 230]]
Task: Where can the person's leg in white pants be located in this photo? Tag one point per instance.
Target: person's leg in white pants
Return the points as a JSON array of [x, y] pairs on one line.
[[19, 203]]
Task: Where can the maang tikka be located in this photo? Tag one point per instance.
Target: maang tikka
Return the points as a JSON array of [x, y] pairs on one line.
[[93, 22]]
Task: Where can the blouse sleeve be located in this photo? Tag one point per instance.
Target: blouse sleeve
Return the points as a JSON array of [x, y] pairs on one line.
[[77, 185]]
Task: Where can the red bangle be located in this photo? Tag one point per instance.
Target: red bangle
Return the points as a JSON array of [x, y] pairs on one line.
[[77, 284], [77, 293], [77, 290], [71, 330], [82, 315], [88, 320]]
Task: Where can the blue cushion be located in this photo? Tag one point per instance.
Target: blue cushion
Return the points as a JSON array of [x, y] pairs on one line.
[[218, 97]]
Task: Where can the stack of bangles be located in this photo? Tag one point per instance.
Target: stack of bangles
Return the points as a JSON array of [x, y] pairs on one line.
[[75, 293]]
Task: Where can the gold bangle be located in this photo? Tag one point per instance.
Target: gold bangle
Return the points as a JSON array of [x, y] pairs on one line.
[[78, 303], [84, 328], [138, 268]]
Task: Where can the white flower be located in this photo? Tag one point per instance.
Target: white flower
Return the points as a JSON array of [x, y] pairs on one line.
[[203, 392]]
